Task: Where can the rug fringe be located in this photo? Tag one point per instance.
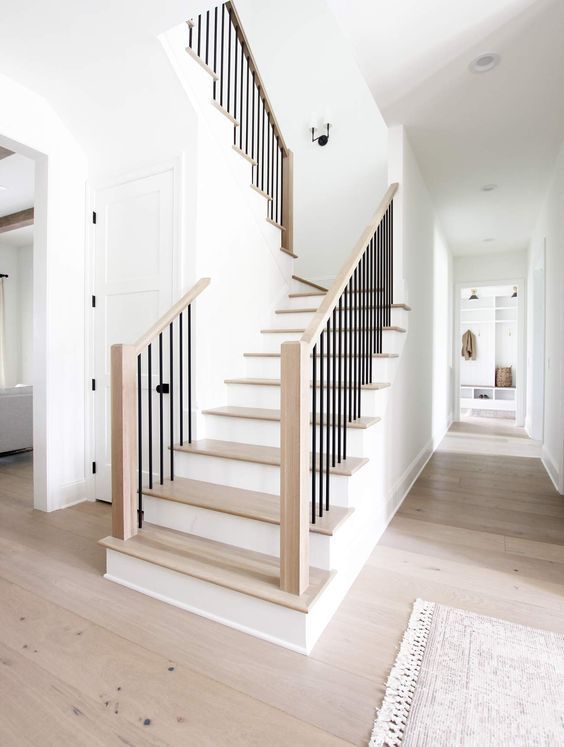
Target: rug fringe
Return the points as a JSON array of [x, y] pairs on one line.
[[391, 720]]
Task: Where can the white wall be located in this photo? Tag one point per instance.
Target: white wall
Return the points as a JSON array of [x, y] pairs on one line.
[[420, 405], [30, 126], [9, 266], [488, 268], [25, 292], [311, 76], [18, 306], [549, 232]]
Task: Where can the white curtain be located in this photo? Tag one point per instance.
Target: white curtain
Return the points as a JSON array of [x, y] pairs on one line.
[[2, 337]]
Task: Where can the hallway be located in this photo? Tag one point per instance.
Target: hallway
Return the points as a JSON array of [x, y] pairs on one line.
[[484, 533]]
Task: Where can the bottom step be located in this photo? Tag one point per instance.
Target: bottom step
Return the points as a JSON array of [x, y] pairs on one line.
[[237, 587]]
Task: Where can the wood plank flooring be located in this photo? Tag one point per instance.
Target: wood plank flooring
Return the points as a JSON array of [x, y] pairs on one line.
[[85, 662]]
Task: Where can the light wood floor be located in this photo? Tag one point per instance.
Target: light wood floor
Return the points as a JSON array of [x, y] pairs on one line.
[[86, 662], [479, 435]]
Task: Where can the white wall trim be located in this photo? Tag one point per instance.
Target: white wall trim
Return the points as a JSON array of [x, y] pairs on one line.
[[406, 480], [552, 471]]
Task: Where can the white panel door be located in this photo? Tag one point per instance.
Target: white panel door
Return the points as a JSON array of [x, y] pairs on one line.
[[134, 238]]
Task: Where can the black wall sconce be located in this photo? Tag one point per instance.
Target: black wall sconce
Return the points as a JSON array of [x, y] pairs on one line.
[[320, 139]]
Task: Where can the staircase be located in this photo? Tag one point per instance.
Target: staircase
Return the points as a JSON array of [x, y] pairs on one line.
[[236, 525]]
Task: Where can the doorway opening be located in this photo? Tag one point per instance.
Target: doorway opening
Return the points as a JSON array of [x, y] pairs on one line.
[[17, 203]]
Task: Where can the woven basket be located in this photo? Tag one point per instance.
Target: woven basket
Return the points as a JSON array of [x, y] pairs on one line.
[[503, 377]]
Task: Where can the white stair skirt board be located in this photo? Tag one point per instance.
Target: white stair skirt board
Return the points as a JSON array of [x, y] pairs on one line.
[[249, 534]]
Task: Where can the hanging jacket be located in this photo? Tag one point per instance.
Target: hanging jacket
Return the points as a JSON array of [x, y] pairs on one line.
[[468, 351]]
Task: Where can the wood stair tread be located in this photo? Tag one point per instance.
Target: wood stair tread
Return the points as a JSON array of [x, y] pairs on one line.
[[277, 355], [201, 62], [258, 454], [244, 571], [292, 330], [263, 413], [311, 284], [404, 306], [306, 294], [276, 382], [249, 504], [288, 252]]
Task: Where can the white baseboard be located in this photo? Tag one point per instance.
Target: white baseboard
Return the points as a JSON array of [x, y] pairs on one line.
[[552, 471], [69, 495], [405, 482]]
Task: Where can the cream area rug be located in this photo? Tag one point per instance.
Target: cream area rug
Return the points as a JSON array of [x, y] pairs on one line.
[[464, 680]]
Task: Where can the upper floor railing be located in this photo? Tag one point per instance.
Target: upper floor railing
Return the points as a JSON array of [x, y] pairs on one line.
[[322, 376], [217, 38]]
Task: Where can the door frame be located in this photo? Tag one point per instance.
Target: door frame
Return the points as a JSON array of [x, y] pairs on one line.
[[180, 271], [521, 399]]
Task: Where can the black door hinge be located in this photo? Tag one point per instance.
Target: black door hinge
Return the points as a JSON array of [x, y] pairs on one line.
[[93, 468], [93, 385], [93, 302], [94, 216]]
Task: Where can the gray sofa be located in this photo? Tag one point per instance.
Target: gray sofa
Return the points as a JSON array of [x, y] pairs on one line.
[[16, 418]]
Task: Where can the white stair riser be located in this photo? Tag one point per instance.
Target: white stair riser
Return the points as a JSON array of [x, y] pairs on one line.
[[399, 317], [272, 622], [392, 341], [256, 395], [293, 320], [269, 368], [267, 432], [242, 532], [251, 476], [302, 302]]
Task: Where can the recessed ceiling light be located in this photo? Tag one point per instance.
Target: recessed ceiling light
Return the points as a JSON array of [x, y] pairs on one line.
[[489, 240], [489, 187], [485, 62]]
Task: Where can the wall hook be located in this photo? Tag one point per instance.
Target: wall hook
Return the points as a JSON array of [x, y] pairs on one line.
[[320, 139]]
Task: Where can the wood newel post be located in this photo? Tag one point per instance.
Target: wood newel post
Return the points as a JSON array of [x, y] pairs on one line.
[[124, 418], [294, 467], [288, 201]]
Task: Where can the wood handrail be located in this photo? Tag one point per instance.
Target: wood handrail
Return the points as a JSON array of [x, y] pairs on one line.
[[232, 10], [171, 314], [331, 299]]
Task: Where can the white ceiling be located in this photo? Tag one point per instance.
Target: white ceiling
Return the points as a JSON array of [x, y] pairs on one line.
[[17, 174], [468, 130]]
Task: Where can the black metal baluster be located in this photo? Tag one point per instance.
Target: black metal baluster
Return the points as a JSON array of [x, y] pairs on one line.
[[190, 34], [379, 285], [247, 110], [313, 433], [366, 328], [341, 383], [262, 148], [235, 84], [371, 306], [359, 341], [215, 51], [282, 177], [222, 54], [336, 384], [181, 377], [199, 33], [354, 346], [150, 410], [253, 117], [391, 208], [267, 157], [161, 412], [328, 419], [228, 104], [139, 446], [207, 36], [241, 121], [171, 395], [321, 383], [189, 325], [349, 353]]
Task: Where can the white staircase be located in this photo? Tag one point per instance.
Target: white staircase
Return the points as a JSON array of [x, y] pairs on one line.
[[210, 538]]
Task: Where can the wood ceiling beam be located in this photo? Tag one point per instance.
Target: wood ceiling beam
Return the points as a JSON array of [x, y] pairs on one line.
[[4, 152], [16, 220]]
